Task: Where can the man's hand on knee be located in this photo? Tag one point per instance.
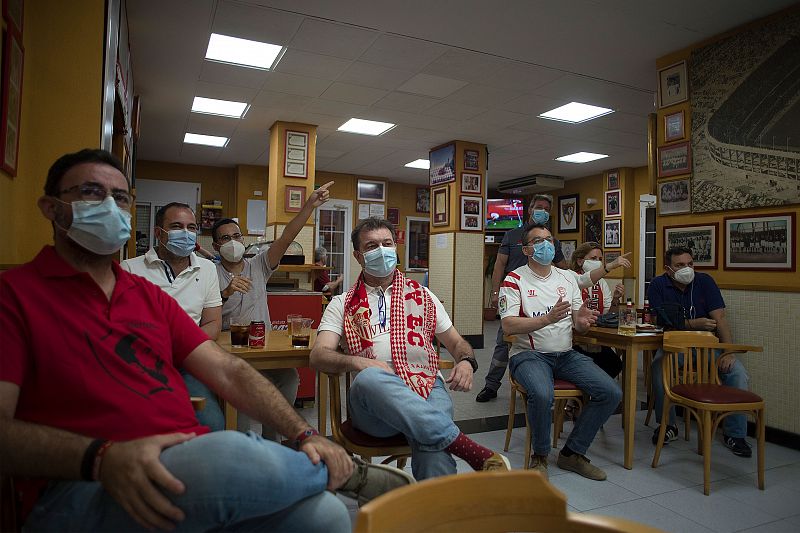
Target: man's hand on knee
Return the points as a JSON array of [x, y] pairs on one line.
[[132, 473], [340, 465], [364, 362], [460, 379]]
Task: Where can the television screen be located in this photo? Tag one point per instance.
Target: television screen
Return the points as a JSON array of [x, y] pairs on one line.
[[504, 213]]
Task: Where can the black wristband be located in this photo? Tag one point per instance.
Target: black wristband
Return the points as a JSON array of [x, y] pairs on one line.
[[87, 463]]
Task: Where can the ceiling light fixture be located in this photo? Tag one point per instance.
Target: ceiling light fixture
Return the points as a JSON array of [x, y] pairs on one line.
[[223, 108], [419, 163], [365, 127], [207, 140], [580, 157], [576, 112], [244, 52]]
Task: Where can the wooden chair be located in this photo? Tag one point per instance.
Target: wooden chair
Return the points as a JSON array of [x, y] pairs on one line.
[[489, 502], [563, 391], [696, 387]]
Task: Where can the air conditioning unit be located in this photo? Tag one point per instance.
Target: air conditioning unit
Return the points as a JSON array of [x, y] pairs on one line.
[[531, 184]]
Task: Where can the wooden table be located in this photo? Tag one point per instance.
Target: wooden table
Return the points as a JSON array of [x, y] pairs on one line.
[[630, 345], [278, 353]]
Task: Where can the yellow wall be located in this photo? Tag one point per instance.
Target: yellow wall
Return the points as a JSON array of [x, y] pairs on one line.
[[276, 214], [216, 183], [61, 111]]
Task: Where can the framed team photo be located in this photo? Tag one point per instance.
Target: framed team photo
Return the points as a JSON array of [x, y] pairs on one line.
[[760, 242], [612, 232], [674, 197], [470, 183], [701, 240], [471, 213]]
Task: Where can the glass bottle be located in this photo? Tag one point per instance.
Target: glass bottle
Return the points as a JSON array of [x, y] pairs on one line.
[[627, 320]]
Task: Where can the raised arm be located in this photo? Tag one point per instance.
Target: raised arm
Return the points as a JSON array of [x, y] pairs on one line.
[[278, 248]]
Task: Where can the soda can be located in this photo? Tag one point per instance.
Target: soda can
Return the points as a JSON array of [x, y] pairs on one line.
[[258, 331]]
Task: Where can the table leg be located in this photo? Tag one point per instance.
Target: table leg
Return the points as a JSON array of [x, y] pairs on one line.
[[231, 417], [322, 404], [629, 403]]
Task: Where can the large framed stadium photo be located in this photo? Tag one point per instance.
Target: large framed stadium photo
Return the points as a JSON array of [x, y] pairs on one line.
[[760, 242], [701, 240]]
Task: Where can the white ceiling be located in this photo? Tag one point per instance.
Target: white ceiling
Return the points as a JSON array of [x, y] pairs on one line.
[[471, 70]]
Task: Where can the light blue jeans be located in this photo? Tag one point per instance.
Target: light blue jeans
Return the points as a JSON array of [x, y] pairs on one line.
[[382, 405], [733, 425], [536, 372], [234, 482], [211, 415]]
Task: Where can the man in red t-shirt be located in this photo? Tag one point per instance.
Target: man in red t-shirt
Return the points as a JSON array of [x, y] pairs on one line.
[[90, 391]]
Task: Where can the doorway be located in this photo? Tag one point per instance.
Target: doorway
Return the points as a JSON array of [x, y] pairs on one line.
[[334, 222]]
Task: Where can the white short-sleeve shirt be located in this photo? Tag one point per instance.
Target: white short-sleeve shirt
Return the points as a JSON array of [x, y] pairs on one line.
[[525, 293], [333, 319], [195, 289]]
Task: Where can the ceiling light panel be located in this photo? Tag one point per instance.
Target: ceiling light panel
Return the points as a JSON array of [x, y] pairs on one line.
[[207, 140], [419, 163], [365, 127], [576, 112], [224, 108], [580, 157], [243, 52]]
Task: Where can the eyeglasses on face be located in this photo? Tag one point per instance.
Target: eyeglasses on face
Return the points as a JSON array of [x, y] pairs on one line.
[[94, 192], [222, 239], [538, 240]]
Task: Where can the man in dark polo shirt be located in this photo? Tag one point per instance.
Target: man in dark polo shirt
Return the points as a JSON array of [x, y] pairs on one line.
[[95, 421], [703, 310]]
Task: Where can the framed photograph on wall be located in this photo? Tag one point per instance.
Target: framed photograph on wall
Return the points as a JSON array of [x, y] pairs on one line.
[[295, 198], [471, 213], [423, 200], [610, 256], [13, 12], [471, 160], [568, 248], [701, 240], [13, 61], [443, 165], [441, 207], [612, 181], [593, 226], [568, 213], [470, 183], [371, 190], [760, 242], [674, 159], [612, 233], [613, 203], [673, 85], [296, 165], [674, 129], [393, 215], [674, 197]]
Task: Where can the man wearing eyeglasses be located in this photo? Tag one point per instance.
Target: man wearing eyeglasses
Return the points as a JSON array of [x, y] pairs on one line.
[[191, 280], [540, 305], [95, 421], [245, 284]]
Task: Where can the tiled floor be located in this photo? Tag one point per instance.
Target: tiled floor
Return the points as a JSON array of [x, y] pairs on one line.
[[669, 497]]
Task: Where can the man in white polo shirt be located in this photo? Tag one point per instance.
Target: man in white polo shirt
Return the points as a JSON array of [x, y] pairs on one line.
[[192, 281], [539, 305]]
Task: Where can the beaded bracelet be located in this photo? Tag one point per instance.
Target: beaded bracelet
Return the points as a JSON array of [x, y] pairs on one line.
[[98, 459]]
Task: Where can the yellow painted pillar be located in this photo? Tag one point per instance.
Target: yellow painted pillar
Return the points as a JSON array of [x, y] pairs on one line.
[[456, 246]]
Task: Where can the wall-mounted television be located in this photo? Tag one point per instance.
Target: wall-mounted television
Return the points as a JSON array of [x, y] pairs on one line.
[[504, 214]]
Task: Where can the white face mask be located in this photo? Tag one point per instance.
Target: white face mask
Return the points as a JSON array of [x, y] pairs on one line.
[[232, 251], [591, 264], [684, 275]]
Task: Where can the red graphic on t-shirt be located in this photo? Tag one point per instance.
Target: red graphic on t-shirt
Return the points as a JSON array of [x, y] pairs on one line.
[[562, 292]]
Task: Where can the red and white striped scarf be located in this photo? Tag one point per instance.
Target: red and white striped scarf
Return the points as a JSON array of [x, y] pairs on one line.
[[412, 323]]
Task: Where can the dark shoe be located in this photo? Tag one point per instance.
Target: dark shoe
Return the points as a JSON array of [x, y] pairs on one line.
[[370, 481], [670, 434], [539, 464], [738, 446], [485, 395], [580, 465]]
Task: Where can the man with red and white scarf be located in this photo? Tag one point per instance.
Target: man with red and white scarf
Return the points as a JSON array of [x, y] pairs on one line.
[[388, 322]]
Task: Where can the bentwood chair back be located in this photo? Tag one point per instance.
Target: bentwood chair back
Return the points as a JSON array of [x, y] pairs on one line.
[[695, 386], [518, 500]]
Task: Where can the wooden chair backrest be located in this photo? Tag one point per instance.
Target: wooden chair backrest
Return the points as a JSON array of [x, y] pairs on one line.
[[701, 367], [480, 501]]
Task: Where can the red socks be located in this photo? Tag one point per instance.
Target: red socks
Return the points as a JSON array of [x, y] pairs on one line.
[[470, 451]]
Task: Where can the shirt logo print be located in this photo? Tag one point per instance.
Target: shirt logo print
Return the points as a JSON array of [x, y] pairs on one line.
[[562, 292], [531, 293]]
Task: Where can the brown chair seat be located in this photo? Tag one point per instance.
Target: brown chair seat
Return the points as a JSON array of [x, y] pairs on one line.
[[360, 438], [711, 393], [560, 384]]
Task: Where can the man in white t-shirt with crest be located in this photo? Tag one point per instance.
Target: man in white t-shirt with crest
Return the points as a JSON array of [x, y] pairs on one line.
[[540, 305]]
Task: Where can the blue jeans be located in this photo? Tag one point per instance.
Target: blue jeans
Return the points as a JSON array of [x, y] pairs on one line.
[[733, 425], [382, 405], [536, 371], [234, 482], [497, 367], [211, 415]]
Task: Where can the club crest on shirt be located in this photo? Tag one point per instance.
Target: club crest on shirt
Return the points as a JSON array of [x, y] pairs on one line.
[[562, 292], [531, 293]]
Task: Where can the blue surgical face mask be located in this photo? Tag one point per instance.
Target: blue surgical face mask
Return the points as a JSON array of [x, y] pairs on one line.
[[544, 252], [381, 261], [100, 227], [181, 242], [540, 216]]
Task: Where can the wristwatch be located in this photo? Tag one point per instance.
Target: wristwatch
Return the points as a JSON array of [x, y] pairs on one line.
[[310, 432], [472, 361]]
